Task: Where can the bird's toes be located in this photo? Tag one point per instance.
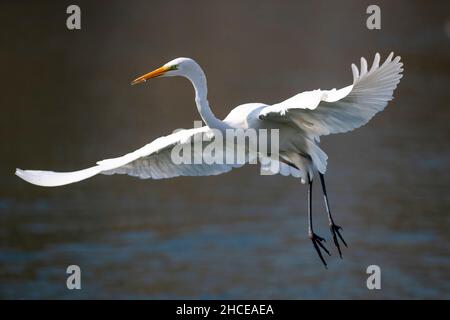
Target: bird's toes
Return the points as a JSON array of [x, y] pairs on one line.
[[318, 245], [335, 231]]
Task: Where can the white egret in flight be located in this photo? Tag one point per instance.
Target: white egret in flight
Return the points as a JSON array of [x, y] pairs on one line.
[[301, 120]]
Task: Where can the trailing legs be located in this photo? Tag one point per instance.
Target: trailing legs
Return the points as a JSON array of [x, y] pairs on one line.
[[334, 228], [316, 240]]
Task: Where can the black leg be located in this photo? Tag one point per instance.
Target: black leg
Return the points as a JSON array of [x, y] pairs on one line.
[[333, 227], [316, 240]]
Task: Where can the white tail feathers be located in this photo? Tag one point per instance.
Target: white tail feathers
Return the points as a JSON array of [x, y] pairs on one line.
[[54, 179]]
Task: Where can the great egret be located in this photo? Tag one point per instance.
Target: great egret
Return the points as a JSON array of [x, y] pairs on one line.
[[301, 120]]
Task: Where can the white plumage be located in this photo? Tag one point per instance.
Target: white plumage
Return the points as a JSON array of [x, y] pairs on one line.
[[301, 119], [321, 112]]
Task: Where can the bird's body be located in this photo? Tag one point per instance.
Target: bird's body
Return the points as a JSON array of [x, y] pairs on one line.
[[300, 122], [295, 147]]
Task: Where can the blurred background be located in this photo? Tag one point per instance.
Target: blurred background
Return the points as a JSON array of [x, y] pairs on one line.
[[66, 102]]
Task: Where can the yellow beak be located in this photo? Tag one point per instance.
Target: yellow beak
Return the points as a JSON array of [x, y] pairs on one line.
[[155, 73]]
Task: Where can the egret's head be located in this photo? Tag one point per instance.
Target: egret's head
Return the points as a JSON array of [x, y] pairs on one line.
[[176, 67]]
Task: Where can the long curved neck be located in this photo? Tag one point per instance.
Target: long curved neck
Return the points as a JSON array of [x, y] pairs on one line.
[[198, 80]]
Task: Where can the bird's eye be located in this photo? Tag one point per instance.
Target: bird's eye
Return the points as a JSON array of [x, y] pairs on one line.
[[174, 67]]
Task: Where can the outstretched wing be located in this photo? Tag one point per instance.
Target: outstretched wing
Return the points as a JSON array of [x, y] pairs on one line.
[[322, 112], [152, 161]]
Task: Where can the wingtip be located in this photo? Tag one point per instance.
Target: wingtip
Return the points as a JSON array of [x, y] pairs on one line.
[[21, 174], [355, 72], [389, 58], [363, 66]]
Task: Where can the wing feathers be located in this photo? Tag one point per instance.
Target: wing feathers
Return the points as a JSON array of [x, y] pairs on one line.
[[151, 161], [363, 66], [376, 62], [341, 110], [53, 179], [355, 73]]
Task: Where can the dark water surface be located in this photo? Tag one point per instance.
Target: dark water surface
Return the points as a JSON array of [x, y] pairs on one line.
[[66, 102]]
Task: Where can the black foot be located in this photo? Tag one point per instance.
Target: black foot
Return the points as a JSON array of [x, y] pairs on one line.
[[317, 242], [335, 232]]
